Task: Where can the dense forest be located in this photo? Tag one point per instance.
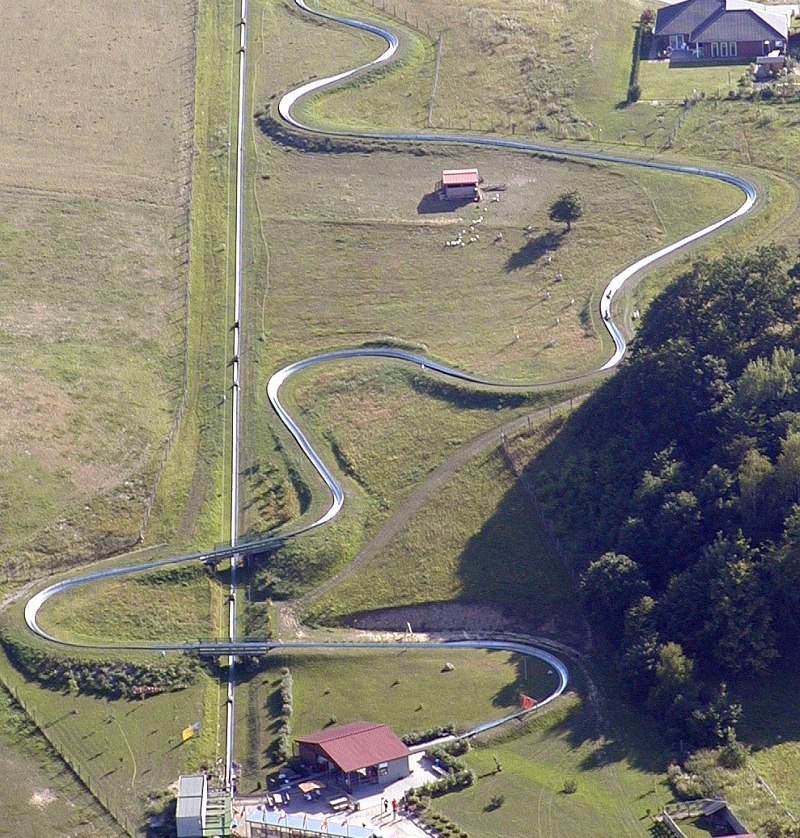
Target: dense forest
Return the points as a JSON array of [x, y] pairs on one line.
[[680, 480]]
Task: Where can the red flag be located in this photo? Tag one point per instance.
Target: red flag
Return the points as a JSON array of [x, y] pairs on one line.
[[528, 703]]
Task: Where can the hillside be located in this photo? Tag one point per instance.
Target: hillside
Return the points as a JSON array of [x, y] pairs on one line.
[[679, 481]]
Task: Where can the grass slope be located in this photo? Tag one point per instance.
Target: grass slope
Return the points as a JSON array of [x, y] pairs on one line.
[[91, 329], [401, 688], [493, 550], [126, 752], [40, 795], [613, 793]]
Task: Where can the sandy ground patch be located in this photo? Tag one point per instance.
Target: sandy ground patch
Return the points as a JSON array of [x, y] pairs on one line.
[[42, 797]]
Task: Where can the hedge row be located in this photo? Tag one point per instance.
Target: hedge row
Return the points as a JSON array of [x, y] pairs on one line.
[[107, 678], [282, 746], [416, 737], [458, 775], [634, 91]]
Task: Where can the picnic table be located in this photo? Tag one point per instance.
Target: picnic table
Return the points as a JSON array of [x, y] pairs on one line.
[[339, 803]]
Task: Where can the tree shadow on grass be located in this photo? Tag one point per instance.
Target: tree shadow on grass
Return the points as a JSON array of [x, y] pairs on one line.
[[534, 249]]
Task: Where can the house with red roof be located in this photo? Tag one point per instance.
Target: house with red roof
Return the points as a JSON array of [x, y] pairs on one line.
[[361, 752]]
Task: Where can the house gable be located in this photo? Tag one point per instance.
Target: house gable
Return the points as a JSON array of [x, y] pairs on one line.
[[722, 20], [740, 25], [684, 18]]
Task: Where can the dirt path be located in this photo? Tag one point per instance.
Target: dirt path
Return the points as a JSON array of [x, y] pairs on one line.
[[288, 619]]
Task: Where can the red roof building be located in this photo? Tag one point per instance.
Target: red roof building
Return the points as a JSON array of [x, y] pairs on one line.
[[460, 183], [355, 753]]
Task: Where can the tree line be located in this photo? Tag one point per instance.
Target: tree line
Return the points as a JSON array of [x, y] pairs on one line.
[[680, 480]]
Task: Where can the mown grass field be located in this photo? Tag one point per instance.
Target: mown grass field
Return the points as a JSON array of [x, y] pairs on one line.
[[407, 689], [660, 81], [616, 786], [127, 751], [40, 794]]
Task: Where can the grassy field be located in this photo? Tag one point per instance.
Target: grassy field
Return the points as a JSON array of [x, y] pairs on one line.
[[40, 794], [94, 325], [494, 551], [386, 269], [402, 688], [83, 113], [616, 788], [91, 329], [167, 605], [94, 182], [127, 751]]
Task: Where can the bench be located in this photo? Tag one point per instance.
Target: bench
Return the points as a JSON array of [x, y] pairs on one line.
[[439, 771], [339, 804]]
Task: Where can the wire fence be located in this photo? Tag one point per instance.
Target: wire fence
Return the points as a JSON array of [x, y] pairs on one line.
[[63, 744]]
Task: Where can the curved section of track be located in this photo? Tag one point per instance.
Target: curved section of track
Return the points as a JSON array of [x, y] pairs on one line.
[[287, 103]]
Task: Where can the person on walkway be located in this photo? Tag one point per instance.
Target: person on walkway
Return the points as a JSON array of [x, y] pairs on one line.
[[385, 806], [394, 809]]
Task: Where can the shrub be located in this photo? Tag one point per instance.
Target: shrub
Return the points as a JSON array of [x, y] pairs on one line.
[[418, 736], [570, 786], [495, 802], [732, 755], [97, 676], [281, 750]]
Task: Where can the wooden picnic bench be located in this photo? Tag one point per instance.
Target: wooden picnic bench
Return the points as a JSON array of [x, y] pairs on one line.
[[338, 804]]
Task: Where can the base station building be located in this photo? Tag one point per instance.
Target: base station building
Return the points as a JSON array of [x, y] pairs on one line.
[[361, 752]]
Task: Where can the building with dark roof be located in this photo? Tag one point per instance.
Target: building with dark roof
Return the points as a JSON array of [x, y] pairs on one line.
[[722, 29], [361, 752]]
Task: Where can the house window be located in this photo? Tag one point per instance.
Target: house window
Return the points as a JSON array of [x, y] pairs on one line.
[[723, 49], [677, 42], [733, 49], [714, 49]]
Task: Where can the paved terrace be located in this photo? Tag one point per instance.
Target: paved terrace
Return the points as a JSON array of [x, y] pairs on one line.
[[370, 799]]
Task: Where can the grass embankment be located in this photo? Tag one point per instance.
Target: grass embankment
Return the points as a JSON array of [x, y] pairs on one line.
[[402, 688], [503, 67], [474, 540], [166, 605], [192, 497]]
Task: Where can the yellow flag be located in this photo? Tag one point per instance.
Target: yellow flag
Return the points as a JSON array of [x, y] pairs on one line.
[[187, 733]]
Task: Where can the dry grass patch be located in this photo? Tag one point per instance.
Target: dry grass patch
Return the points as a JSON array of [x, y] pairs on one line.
[[91, 326], [355, 250], [81, 111]]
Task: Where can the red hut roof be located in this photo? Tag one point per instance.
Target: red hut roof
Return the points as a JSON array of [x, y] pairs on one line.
[[357, 745], [460, 177]]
